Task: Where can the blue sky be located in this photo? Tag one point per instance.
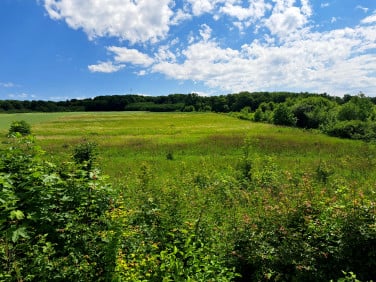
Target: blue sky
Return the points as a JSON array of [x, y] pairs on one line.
[[65, 49]]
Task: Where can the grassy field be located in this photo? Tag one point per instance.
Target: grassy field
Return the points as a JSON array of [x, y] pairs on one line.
[[128, 139], [273, 203]]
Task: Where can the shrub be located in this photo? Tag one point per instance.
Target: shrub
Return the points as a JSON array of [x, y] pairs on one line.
[[85, 154], [353, 129], [282, 115], [53, 219], [21, 127]]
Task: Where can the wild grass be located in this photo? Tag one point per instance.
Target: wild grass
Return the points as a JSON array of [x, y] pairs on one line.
[[127, 139]]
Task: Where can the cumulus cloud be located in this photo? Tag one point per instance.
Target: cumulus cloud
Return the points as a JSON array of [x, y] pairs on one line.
[[105, 67], [287, 53], [287, 18], [370, 19], [255, 10], [133, 56], [200, 7], [335, 61], [135, 21]]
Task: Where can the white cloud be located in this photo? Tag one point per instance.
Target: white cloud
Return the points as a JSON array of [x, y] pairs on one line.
[[370, 19], [255, 10], [7, 84], [21, 96], [290, 54], [200, 7], [286, 22], [164, 54], [105, 67], [136, 21], [133, 56], [180, 16], [141, 73], [335, 62], [364, 9], [205, 32]]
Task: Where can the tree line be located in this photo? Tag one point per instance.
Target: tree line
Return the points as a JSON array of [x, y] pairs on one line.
[[173, 102], [347, 117]]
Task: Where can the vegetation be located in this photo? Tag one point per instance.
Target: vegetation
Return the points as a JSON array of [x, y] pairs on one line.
[[190, 197], [348, 117], [21, 127]]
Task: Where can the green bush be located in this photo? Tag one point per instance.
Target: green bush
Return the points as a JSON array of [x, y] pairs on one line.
[[53, 219], [85, 154], [282, 115], [309, 243], [21, 127], [353, 129]]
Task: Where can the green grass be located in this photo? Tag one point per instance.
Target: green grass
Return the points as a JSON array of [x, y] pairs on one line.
[[31, 118], [126, 140]]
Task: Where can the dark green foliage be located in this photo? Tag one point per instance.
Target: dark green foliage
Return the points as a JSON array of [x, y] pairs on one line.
[[298, 232], [170, 156], [282, 115], [85, 154], [352, 129], [312, 112], [21, 127], [308, 243]]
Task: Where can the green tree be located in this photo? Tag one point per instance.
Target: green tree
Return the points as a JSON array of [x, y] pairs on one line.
[[358, 108], [313, 111], [282, 115]]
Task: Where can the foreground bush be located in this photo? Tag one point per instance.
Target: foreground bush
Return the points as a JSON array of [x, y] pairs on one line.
[[309, 244], [52, 219]]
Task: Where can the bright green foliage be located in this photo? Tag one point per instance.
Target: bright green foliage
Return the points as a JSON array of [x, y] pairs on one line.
[[52, 219], [264, 113], [358, 108], [21, 127]]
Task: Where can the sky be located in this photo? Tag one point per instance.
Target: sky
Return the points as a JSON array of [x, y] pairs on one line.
[[74, 49]]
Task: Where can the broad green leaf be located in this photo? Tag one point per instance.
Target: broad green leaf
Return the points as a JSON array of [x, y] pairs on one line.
[[17, 214]]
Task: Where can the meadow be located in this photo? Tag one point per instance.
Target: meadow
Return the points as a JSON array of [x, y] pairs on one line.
[[126, 139], [270, 203]]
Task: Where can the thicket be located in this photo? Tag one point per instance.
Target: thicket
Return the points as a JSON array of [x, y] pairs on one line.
[[254, 221], [53, 218], [354, 118]]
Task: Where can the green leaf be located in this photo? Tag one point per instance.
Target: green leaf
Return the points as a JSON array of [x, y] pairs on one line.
[[17, 214], [20, 232]]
